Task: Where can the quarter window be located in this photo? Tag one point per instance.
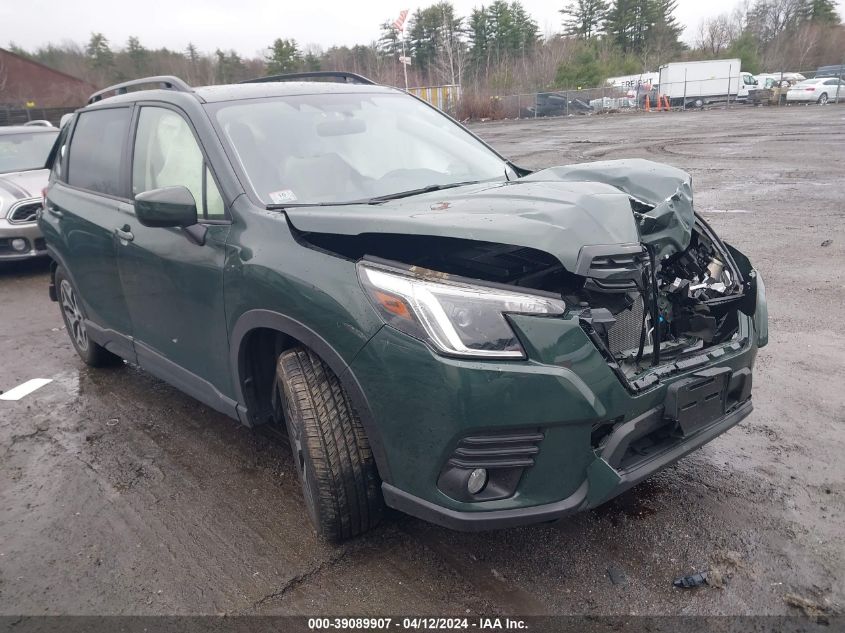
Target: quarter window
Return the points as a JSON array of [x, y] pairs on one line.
[[167, 154], [96, 150]]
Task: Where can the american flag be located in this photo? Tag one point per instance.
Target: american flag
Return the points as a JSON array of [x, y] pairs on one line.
[[399, 23]]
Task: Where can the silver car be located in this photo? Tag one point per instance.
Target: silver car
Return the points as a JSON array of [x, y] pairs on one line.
[[23, 153]]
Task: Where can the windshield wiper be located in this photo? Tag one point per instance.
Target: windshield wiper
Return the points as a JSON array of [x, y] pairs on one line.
[[421, 190], [375, 200], [291, 205]]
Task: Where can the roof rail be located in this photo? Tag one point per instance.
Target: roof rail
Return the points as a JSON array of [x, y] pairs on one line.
[[347, 77], [165, 82]]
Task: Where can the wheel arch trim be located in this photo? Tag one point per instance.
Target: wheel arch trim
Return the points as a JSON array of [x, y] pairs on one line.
[[266, 319]]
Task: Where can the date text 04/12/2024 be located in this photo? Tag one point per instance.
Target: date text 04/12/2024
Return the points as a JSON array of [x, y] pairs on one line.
[[418, 623]]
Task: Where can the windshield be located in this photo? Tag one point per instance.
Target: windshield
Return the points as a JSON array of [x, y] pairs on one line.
[[333, 148], [25, 151]]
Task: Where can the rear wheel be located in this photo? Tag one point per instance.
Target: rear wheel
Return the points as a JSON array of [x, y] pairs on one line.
[[822, 99], [333, 458], [74, 318]]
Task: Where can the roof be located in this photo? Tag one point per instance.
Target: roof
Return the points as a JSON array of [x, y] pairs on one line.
[[232, 92], [32, 129], [235, 92]]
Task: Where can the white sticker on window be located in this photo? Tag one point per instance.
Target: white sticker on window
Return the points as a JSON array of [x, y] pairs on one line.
[[280, 197]]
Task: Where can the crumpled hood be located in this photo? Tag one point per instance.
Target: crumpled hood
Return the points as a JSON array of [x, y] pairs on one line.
[[20, 185], [556, 210]]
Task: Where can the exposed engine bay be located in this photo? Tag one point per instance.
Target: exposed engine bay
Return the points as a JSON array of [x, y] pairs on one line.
[[642, 314], [685, 303], [618, 241]]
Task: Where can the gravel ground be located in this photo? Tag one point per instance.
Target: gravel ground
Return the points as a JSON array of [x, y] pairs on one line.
[[120, 495]]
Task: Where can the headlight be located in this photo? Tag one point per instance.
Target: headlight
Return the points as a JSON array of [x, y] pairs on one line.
[[458, 319]]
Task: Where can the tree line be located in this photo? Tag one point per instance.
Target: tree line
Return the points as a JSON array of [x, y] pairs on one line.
[[498, 47]]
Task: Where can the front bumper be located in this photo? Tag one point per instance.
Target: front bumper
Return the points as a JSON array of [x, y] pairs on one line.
[[425, 406], [29, 232], [602, 483]]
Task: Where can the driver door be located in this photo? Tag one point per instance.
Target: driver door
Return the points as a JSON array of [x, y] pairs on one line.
[[173, 285]]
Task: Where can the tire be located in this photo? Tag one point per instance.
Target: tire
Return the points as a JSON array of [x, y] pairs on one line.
[[335, 464], [822, 99], [74, 318]]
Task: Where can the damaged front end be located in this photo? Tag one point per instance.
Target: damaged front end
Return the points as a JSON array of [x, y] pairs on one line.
[[673, 296], [618, 241], [558, 338]]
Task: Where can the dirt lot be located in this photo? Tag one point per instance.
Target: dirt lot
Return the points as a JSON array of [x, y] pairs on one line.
[[120, 495]]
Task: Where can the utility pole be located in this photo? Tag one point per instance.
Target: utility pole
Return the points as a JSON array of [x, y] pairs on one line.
[[404, 61]]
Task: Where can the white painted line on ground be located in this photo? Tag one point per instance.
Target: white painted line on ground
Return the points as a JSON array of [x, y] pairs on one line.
[[726, 211], [25, 389]]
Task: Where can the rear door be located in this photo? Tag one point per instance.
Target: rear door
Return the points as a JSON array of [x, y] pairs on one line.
[[173, 285], [82, 209]]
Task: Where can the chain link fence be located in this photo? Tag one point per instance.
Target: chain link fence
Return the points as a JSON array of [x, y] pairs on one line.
[[714, 92], [10, 115]]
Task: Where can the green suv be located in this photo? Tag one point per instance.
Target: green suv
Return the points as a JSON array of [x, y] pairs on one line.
[[439, 331]]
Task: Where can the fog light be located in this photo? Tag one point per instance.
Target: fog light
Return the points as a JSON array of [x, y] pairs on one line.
[[19, 244], [477, 480]]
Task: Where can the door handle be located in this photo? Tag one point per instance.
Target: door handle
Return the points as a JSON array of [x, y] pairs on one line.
[[55, 211], [125, 233]]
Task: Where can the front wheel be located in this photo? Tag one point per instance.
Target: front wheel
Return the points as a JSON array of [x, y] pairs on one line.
[[822, 99], [333, 458], [74, 318]]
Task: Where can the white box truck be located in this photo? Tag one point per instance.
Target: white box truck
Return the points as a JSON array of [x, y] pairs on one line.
[[695, 84]]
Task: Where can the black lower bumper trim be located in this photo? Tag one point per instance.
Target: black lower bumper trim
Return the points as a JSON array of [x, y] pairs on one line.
[[495, 519], [479, 521]]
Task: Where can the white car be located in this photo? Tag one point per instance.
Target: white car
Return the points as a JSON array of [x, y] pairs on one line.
[[819, 90]]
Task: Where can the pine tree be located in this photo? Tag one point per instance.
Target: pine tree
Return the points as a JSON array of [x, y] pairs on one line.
[[99, 53], [820, 11], [478, 31], [137, 54], [526, 30], [586, 18], [284, 57]]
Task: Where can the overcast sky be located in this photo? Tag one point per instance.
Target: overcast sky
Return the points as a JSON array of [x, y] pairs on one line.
[[249, 26]]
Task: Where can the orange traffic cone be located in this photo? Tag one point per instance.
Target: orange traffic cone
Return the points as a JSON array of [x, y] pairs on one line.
[[647, 104], [660, 103], [666, 98]]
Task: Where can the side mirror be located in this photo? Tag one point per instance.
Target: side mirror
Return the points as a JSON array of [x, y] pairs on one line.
[[168, 206]]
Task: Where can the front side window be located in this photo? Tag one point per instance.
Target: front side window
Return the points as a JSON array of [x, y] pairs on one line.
[[166, 154], [96, 150], [329, 148], [24, 151]]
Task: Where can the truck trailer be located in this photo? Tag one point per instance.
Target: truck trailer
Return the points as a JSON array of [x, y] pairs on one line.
[[696, 84]]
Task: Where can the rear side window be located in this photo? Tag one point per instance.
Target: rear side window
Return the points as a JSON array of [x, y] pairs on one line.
[[96, 150]]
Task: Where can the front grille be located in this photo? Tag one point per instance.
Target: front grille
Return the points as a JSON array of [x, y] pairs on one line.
[[497, 450], [625, 333], [23, 213]]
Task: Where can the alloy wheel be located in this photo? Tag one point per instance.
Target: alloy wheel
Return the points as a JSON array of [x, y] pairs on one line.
[[73, 315]]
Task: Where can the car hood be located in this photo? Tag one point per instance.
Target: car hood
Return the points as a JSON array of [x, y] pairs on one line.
[[558, 210], [19, 185]]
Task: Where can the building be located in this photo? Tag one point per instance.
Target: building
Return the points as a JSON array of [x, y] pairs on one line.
[[26, 84]]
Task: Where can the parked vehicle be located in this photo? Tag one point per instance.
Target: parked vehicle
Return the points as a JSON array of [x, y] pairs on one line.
[[635, 85], [773, 80], [837, 71], [436, 328], [554, 104], [772, 87], [23, 153], [819, 90], [696, 84]]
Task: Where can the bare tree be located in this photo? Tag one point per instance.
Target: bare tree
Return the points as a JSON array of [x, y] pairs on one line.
[[714, 34]]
